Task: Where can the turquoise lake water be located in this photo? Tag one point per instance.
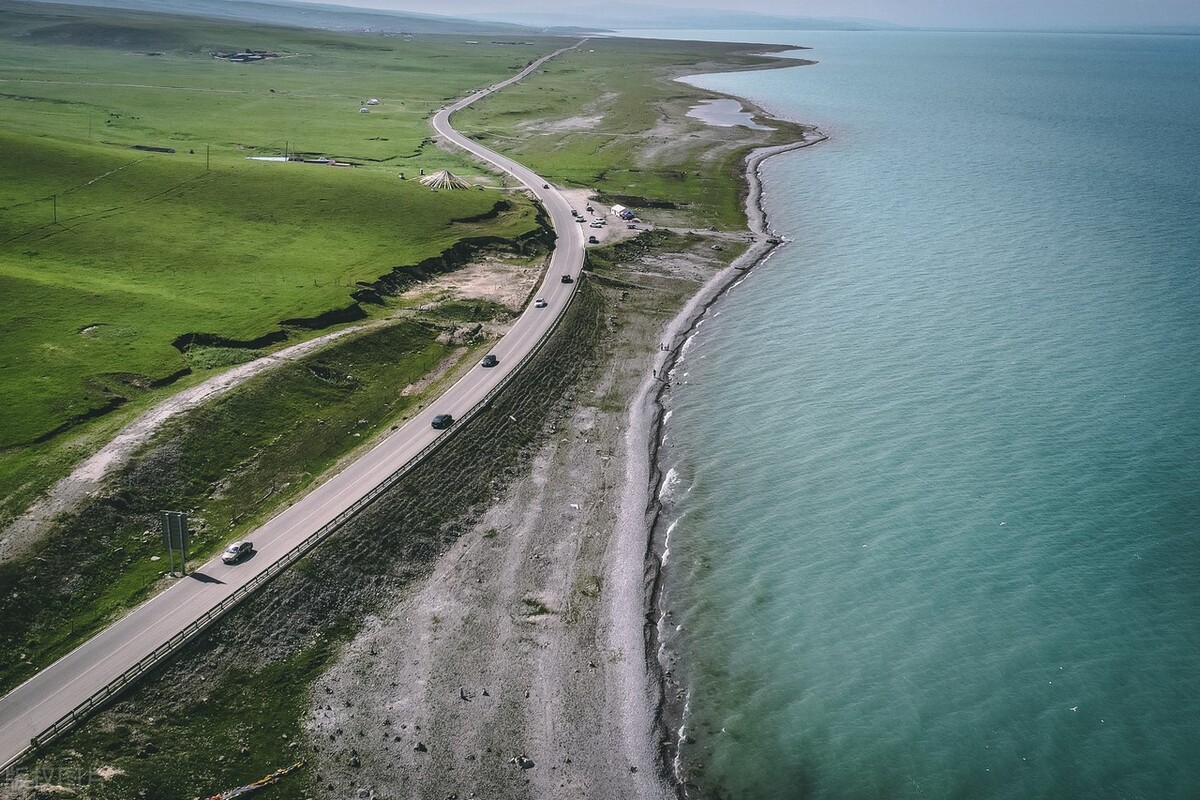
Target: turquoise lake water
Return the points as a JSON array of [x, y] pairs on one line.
[[934, 487]]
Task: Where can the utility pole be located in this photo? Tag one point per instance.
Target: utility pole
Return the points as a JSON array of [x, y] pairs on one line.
[[206, 162], [54, 205]]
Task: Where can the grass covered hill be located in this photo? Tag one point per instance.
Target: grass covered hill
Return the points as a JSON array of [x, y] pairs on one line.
[[111, 253]]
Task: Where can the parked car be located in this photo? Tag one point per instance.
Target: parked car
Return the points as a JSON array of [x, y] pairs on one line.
[[489, 361], [442, 421], [545, 186], [567, 279], [539, 303], [237, 551], [593, 240]]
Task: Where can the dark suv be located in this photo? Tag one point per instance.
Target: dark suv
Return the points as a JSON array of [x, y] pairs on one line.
[[442, 421]]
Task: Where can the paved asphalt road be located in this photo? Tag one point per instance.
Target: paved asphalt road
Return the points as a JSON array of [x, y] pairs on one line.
[[32, 708]]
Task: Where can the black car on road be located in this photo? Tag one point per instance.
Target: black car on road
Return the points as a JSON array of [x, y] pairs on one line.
[[442, 421], [489, 361]]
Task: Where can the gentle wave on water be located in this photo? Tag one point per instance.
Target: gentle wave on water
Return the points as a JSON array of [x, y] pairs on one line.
[[934, 475]]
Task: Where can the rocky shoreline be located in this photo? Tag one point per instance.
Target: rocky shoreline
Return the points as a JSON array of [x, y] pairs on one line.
[[647, 417]]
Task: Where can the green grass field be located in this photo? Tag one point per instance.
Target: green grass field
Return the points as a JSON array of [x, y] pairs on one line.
[[157, 250], [109, 254]]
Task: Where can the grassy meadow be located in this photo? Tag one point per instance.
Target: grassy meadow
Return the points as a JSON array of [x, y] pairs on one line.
[[109, 254]]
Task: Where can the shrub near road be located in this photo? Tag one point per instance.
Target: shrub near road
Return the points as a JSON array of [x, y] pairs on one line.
[[108, 255]]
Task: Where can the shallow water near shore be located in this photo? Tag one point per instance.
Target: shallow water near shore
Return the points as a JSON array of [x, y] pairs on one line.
[[935, 491]]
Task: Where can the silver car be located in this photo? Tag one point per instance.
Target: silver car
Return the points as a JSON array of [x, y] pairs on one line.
[[237, 551]]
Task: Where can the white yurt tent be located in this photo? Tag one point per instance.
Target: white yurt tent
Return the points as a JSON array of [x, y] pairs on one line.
[[444, 179]]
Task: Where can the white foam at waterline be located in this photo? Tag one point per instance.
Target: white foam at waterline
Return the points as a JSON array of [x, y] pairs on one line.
[[667, 539], [677, 765], [670, 481], [687, 345]]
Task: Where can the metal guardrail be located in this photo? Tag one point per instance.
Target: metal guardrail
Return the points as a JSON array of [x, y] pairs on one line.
[[129, 676]]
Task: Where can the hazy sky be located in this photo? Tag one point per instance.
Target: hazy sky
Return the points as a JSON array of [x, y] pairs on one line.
[[934, 13]]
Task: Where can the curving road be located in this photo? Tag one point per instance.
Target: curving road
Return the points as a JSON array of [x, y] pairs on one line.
[[35, 706]]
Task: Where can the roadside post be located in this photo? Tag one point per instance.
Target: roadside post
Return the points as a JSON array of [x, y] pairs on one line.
[[175, 537]]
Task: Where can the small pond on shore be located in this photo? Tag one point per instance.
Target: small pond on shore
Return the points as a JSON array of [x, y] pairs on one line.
[[725, 113]]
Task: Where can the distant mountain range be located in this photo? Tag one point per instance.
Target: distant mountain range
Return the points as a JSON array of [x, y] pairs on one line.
[[623, 15], [310, 15], [566, 19], [585, 17]]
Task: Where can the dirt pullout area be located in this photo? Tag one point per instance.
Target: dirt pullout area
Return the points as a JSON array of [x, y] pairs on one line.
[[501, 281], [613, 230], [494, 279]]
